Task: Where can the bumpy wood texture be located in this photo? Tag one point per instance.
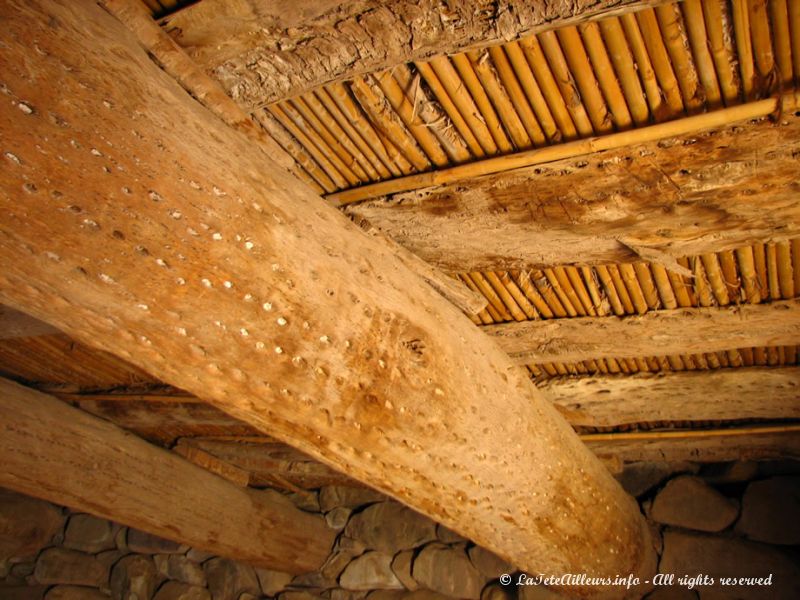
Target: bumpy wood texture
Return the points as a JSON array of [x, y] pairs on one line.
[[266, 51], [684, 196], [140, 224], [59, 453], [722, 395], [684, 331]]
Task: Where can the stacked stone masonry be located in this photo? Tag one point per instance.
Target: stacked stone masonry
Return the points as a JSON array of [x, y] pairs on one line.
[[723, 520]]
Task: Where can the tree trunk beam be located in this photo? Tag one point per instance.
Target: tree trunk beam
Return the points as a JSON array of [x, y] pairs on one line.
[[743, 443], [154, 231], [61, 454], [723, 395], [711, 191], [262, 53], [16, 324], [656, 333]]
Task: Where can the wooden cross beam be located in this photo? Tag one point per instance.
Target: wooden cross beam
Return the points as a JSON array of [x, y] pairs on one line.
[[139, 223]]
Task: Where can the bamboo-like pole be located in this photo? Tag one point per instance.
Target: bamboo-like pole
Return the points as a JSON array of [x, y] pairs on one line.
[[720, 118], [600, 303], [431, 113], [611, 292], [794, 28], [554, 57], [387, 122], [354, 114], [534, 56], [702, 286], [784, 260], [463, 100], [677, 44], [772, 271], [662, 64], [781, 38], [659, 107], [352, 132], [749, 277], [333, 142], [796, 263], [484, 315], [744, 47], [546, 290], [485, 288], [296, 151], [538, 133], [411, 118], [507, 281], [626, 69], [320, 157], [665, 291], [498, 98], [589, 90], [532, 91], [632, 284], [346, 137], [699, 39], [505, 296], [728, 263], [715, 278], [465, 64], [565, 284], [646, 283], [622, 290], [302, 124], [606, 78], [720, 35], [580, 289], [762, 41], [523, 281], [555, 285], [443, 97]]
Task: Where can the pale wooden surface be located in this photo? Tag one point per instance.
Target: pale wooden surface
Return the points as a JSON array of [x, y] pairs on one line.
[[356, 362], [743, 443], [690, 195], [656, 333], [768, 393], [262, 51], [64, 455]]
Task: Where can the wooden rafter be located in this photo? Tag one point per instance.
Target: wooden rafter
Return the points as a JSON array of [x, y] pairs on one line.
[[156, 232], [683, 331], [64, 455], [707, 191], [346, 39], [760, 393]]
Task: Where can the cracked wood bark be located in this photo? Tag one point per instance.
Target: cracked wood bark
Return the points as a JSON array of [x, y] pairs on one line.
[[722, 395], [656, 333], [263, 52], [137, 222], [59, 453], [689, 195]]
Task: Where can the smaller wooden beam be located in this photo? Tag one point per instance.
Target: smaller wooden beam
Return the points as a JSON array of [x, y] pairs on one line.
[[61, 454], [16, 324], [657, 333], [742, 443], [723, 395]]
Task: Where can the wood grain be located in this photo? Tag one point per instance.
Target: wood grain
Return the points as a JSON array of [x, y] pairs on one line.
[[656, 333], [166, 238], [61, 454]]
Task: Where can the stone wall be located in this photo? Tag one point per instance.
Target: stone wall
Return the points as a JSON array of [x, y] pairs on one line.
[[731, 520]]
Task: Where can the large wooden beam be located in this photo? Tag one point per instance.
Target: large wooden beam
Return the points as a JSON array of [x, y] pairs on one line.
[[656, 333], [263, 52], [766, 393], [683, 196], [742, 443], [146, 227], [64, 455], [16, 324]]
